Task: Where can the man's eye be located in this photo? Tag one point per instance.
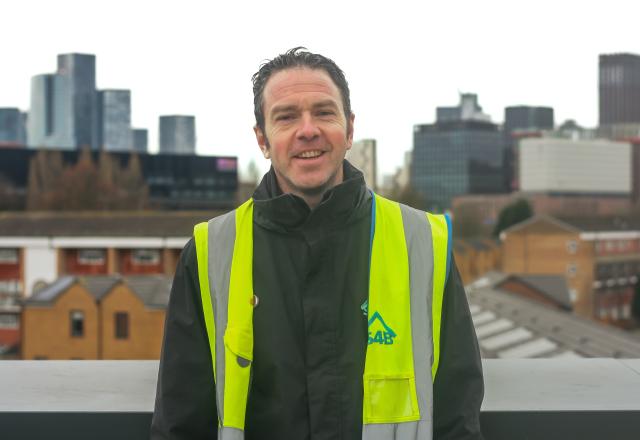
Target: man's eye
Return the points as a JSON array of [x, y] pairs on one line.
[[326, 113], [284, 117]]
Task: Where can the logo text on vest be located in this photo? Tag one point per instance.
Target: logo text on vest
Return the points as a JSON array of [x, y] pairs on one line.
[[379, 331]]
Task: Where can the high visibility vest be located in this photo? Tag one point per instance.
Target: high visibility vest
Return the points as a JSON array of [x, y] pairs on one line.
[[409, 264]]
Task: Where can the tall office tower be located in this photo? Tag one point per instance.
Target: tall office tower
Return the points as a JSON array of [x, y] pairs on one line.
[[520, 122], [525, 118], [140, 139], [50, 122], [114, 120], [11, 128], [80, 69], [178, 134], [619, 90], [457, 156], [362, 155]]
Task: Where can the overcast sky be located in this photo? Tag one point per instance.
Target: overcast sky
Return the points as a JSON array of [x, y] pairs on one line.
[[401, 60]]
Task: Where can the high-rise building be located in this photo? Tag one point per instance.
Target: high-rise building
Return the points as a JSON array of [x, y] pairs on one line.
[[178, 134], [362, 155], [114, 120], [619, 90], [457, 156], [140, 139], [525, 118], [520, 122], [50, 122], [11, 127], [80, 69]]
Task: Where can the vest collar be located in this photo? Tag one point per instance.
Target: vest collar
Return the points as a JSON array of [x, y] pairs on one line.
[[342, 204]]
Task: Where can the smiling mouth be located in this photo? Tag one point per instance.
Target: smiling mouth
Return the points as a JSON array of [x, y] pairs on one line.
[[310, 154]]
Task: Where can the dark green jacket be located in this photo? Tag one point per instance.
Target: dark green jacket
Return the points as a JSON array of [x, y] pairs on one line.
[[311, 278]]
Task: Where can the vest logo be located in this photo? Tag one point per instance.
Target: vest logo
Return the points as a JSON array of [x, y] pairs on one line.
[[379, 331]]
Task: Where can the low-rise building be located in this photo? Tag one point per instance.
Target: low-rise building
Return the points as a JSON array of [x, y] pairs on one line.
[[96, 317], [512, 325], [476, 257], [36, 249], [599, 258]]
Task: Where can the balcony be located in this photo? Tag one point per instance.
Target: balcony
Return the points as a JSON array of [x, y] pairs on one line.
[[525, 399]]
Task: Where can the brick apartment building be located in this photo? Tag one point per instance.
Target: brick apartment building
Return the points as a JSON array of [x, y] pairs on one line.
[[96, 317], [599, 258], [37, 249]]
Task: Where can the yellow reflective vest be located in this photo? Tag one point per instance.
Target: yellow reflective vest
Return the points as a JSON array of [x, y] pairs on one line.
[[409, 263]]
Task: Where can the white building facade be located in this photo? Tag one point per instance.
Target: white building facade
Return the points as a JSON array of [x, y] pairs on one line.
[[567, 166]]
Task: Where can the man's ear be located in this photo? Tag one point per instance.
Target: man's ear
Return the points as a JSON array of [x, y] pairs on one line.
[[350, 130], [262, 142]]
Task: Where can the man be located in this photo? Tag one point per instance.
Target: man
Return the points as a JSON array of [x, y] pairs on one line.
[[316, 310]]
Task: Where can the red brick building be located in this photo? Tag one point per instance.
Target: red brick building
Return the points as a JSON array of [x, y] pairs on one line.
[[38, 248]]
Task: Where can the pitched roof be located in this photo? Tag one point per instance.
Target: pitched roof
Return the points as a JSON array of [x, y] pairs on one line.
[[583, 223], [603, 223], [540, 219], [153, 290], [510, 326], [553, 287], [105, 224]]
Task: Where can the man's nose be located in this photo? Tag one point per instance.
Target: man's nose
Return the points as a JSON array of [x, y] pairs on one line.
[[308, 129]]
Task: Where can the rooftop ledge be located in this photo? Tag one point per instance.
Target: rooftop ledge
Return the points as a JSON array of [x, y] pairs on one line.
[[524, 399]]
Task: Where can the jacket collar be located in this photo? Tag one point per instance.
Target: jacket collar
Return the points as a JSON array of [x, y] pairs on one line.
[[342, 204]]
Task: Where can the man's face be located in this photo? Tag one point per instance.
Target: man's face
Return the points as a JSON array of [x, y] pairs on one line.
[[306, 133]]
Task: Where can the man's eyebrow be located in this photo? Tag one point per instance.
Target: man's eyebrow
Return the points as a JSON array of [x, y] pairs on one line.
[[326, 103], [283, 108]]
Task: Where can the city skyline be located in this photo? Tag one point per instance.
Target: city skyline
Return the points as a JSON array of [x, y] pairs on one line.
[[546, 58]]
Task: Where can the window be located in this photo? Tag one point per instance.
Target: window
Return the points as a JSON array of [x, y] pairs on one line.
[[9, 321], [145, 257], [573, 295], [77, 323], [572, 246], [121, 324], [572, 269], [92, 257], [8, 256]]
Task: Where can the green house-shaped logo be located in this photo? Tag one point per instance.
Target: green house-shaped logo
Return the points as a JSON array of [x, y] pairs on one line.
[[379, 331]]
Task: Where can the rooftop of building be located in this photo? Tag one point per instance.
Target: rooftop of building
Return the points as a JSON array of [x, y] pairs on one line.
[[553, 287], [152, 290], [510, 326], [102, 223], [611, 223]]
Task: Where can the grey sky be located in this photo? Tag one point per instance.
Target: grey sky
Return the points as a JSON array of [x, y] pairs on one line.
[[402, 58]]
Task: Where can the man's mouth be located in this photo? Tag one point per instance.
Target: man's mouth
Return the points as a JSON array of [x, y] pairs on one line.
[[310, 154]]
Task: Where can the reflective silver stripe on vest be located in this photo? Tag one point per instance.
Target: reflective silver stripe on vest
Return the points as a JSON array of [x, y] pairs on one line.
[[417, 231], [230, 434], [222, 236]]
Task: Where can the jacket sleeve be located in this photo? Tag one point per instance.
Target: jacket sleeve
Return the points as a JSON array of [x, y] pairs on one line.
[[185, 406], [458, 386]]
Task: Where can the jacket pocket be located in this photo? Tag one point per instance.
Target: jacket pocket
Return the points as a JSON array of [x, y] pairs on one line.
[[240, 343], [238, 355], [390, 399]]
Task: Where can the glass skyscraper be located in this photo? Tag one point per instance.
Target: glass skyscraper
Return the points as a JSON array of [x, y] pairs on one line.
[[178, 134], [12, 127], [50, 121], [140, 139], [457, 156], [619, 87], [114, 120], [80, 69]]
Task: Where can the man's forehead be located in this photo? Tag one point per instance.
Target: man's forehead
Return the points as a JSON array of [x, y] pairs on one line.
[[294, 81]]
